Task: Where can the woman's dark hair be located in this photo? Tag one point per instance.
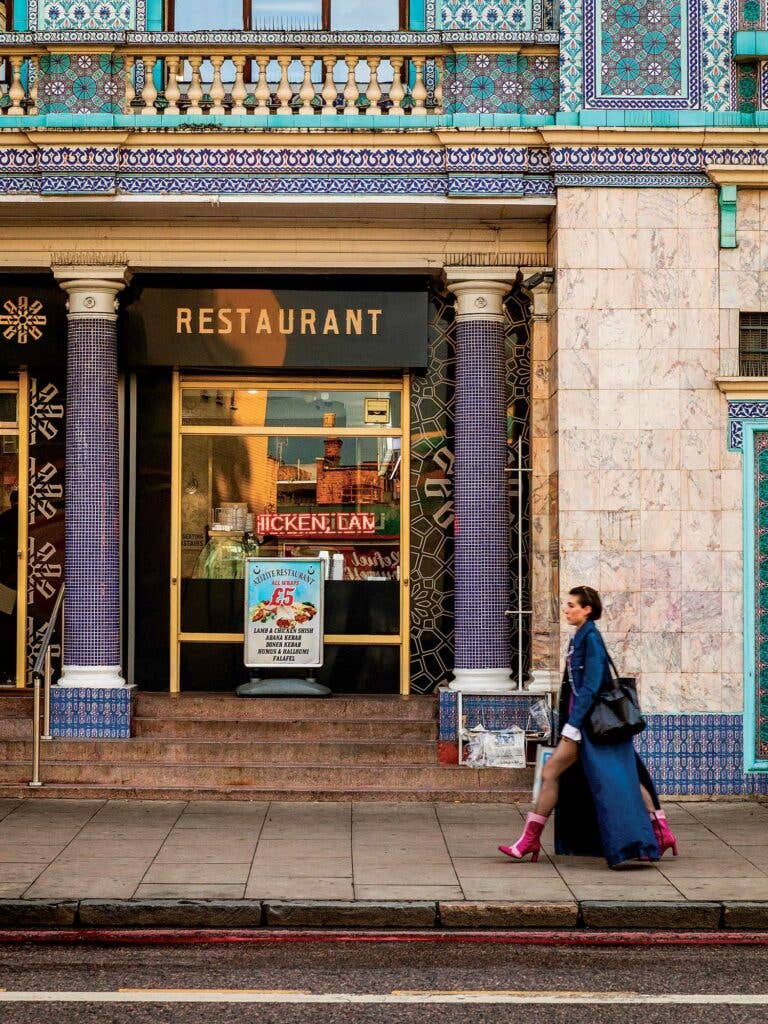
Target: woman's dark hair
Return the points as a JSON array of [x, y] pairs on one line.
[[589, 597]]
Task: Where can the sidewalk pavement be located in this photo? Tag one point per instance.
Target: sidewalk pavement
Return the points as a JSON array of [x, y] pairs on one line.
[[439, 854]]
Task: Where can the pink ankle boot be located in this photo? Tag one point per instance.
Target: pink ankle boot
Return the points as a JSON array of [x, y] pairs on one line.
[[664, 835], [529, 841]]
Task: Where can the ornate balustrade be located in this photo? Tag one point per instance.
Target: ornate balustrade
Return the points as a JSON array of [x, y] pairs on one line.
[[194, 80]]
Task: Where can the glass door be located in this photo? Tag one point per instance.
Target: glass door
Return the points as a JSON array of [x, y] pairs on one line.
[[13, 542], [291, 469]]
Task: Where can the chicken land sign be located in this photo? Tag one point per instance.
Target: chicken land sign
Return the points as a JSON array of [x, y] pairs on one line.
[[283, 612]]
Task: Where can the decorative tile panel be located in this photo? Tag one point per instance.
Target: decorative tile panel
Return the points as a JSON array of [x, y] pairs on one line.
[[760, 541], [716, 65], [746, 98], [748, 409], [501, 84], [79, 712], [85, 15], [571, 55], [80, 84], [643, 54], [751, 14], [511, 15]]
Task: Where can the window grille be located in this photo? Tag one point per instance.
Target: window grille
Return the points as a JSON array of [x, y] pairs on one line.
[[753, 344]]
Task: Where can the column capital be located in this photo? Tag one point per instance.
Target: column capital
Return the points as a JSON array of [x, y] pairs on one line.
[[480, 291], [92, 290], [539, 287]]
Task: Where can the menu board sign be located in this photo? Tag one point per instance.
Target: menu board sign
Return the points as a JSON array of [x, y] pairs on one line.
[[284, 612]]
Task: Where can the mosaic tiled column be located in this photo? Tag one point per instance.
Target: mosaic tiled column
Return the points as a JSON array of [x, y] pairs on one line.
[[92, 513], [481, 559]]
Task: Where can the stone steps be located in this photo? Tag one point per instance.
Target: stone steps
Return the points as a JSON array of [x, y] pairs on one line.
[[227, 730], [175, 751], [211, 746]]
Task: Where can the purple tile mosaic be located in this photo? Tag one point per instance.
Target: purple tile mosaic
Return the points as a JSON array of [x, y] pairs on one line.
[[92, 596], [80, 84], [482, 513], [91, 713]]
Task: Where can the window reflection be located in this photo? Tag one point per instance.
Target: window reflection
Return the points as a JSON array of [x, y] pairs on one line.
[[255, 407], [286, 14], [198, 15], [361, 14]]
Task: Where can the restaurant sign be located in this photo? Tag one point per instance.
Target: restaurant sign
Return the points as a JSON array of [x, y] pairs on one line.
[[312, 524], [313, 322], [284, 612]]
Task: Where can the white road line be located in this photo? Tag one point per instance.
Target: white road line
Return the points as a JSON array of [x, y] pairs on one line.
[[394, 998]]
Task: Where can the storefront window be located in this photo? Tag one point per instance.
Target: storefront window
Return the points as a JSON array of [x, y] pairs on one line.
[[298, 472]]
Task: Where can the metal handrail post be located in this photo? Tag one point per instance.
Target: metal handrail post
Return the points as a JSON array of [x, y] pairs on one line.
[[36, 783], [47, 697]]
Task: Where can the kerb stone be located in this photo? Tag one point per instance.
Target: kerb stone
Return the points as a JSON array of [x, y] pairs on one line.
[[351, 913], [688, 916], [508, 915]]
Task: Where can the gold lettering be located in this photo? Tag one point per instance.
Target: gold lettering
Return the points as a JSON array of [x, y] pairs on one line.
[[374, 315], [308, 321], [205, 320], [355, 320], [183, 320], [225, 321], [264, 324], [243, 314], [286, 328], [331, 325]]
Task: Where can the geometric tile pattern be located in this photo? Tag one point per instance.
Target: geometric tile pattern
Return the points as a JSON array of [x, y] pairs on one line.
[[746, 99], [482, 512], [501, 84], [761, 593], [493, 712], [92, 596], [478, 15], [642, 54], [46, 509], [80, 84], [432, 511], [751, 15], [571, 55], [748, 409], [91, 712], [85, 15]]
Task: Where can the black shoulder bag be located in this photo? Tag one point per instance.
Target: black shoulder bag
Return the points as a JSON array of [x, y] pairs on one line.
[[615, 715]]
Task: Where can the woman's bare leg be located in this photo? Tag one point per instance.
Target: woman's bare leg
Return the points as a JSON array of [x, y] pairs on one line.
[[566, 753]]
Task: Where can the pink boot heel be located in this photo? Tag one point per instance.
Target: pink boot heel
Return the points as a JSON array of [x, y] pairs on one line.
[[664, 835], [529, 841]]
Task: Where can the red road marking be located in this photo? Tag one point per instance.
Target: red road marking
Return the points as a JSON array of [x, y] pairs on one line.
[[214, 936]]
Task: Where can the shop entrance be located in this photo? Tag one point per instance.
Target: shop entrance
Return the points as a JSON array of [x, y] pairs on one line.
[[282, 468], [13, 499]]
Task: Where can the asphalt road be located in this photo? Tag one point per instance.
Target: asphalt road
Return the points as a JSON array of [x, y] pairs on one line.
[[380, 969]]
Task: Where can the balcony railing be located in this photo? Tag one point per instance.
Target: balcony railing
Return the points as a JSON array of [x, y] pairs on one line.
[[195, 80]]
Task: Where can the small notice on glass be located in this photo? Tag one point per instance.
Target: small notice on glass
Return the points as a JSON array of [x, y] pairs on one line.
[[284, 612]]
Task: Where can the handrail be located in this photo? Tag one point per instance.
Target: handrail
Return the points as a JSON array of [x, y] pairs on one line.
[[42, 667]]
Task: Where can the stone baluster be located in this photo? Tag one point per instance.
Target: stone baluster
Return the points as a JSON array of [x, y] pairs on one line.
[[481, 551], [217, 87], [396, 90], [307, 90], [261, 93], [130, 89], [439, 78], [351, 92], [284, 89], [239, 92], [329, 93], [149, 92], [16, 92], [419, 91], [373, 92], [172, 90], [195, 91]]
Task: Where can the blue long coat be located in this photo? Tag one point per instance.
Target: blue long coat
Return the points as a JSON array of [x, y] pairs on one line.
[[600, 810]]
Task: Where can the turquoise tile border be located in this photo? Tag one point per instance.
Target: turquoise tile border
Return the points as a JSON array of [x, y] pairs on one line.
[[752, 763]]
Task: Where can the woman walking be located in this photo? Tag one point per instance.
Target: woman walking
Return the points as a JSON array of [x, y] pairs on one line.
[[604, 800]]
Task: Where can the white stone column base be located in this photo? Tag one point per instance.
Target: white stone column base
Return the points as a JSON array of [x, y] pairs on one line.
[[97, 677], [482, 680], [544, 680]]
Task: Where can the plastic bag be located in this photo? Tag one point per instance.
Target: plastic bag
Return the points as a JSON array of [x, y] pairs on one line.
[[539, 723]]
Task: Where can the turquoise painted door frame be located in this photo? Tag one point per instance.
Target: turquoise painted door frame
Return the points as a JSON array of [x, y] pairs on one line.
[[755, 680]]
